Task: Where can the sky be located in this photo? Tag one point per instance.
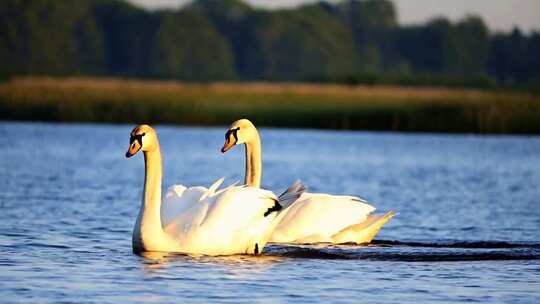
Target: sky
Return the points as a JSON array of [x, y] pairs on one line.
[[500, 15]]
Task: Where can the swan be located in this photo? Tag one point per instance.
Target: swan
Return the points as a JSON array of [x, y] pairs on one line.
[[197, 220], [314, 217]]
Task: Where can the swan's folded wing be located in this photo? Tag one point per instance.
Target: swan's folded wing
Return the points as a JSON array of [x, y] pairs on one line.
[[237, 215], [185, 224], [237, 205], [320, 214], [177, 199], [229, 221]]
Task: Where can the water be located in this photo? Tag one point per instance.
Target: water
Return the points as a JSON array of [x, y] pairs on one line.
[[467, 228]]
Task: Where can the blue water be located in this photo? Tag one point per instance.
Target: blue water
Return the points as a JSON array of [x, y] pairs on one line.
[[467, 228]]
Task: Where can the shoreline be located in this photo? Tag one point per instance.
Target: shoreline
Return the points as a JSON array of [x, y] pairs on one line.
[[290, 105]]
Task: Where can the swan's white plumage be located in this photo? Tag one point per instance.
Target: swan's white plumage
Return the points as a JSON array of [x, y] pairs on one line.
[[314, 217], [199, 220], [178, 198], [221, 222]]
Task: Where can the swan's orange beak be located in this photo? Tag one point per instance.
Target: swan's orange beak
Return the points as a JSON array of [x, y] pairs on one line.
[[227, 145], [134, 147], [231, 137]]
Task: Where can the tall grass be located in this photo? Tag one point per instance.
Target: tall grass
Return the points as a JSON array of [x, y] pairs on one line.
[[270, 104]]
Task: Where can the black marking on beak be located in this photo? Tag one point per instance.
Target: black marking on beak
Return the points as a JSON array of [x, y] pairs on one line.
[[134, 138], [137, 137], [234, 133]]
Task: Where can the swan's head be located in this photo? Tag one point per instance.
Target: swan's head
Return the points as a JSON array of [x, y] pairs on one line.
[[240, 132], [143, 137]]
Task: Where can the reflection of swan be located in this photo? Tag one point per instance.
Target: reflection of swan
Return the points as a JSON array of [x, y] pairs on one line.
[[315, 217], [235, 220], [154, 260], [237, 266]]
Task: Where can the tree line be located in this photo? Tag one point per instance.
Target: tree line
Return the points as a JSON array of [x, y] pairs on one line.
[[350, 41]]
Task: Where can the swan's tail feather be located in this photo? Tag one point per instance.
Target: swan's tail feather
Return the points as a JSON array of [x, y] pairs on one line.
[[286, 198], [365, 231], [292, 194]]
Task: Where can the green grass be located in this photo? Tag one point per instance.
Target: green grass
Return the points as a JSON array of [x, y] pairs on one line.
[[280, 105]]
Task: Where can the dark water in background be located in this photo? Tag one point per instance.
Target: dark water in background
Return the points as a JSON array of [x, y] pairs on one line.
[[467, 228]]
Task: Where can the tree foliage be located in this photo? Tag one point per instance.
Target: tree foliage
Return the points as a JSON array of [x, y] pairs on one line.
[[351, 40]]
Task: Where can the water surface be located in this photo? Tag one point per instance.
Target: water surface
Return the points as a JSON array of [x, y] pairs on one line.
[[467, 228]]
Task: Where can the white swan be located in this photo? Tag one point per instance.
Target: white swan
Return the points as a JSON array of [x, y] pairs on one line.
[[315, 217], [235, 220]]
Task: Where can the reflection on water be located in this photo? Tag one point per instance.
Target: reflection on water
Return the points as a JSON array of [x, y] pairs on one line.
[[467, 228], [157, 260]]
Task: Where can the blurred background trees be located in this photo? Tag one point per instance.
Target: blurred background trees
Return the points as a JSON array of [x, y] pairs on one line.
[[351, 41]]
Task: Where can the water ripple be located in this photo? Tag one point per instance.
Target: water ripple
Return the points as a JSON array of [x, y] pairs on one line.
[[374, 253], [467, 229]]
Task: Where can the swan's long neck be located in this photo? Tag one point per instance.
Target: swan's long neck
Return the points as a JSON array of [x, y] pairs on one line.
[[253, 161], [148, 231], [151, 205]]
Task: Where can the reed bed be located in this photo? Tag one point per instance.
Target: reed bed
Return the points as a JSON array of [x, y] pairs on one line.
[[397, 108]]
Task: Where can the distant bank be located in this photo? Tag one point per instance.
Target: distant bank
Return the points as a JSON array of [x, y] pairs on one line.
[[388, 108]]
